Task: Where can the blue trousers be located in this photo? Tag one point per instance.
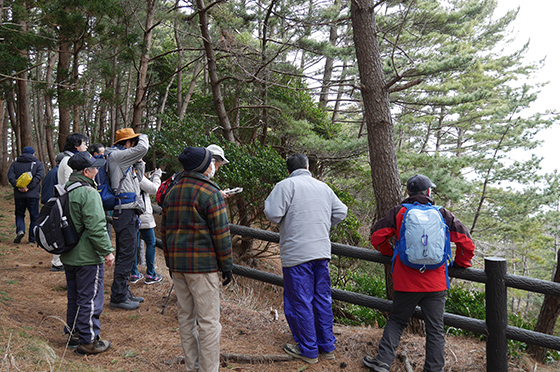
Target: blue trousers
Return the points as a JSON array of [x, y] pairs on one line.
[[149, 238], [125, 224], [404, 303], [308, 306], [85, 300], [32, 205]]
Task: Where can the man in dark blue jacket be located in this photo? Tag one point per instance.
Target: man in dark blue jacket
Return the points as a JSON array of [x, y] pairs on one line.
[[26, 197], [51, 179]]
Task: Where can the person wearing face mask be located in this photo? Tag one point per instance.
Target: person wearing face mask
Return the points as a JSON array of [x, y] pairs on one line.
[[197, 244]]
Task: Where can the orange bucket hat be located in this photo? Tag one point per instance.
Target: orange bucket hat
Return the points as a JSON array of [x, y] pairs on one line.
[[125, 134]]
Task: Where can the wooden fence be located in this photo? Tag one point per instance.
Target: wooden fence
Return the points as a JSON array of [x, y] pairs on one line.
[[494, 276]]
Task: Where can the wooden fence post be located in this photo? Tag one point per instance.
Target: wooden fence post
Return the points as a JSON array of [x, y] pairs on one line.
[[496, 314]]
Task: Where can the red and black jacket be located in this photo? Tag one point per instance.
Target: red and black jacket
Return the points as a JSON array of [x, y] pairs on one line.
[[406, 279]]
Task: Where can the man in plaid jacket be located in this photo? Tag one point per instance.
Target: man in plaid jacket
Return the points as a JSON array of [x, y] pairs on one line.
[[197, 244]]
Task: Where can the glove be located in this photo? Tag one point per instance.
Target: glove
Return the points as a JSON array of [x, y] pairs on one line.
[[157, 173], [455, 264], [226, 275]]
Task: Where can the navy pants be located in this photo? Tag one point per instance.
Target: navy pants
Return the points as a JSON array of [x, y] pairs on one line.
[[125, 224], [308, 306], [85, 300], [32, 205], [404, 303]]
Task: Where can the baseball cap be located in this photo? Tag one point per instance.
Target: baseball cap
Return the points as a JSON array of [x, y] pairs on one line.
[[418, 183], [218, 151], [83, 159]]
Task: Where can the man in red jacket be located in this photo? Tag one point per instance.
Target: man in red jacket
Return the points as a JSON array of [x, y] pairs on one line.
[[414, 287]]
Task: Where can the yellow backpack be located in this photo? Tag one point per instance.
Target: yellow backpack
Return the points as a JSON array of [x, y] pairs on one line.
[[25, 178]]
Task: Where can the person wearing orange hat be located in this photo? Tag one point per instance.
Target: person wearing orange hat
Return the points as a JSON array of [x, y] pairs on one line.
[[125, 170]]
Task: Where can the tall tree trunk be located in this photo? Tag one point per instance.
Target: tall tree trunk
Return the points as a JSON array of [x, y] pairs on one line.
[[179, 64], [63, 80], [23, 99], [377, 114], [3, 144], [49, 114], [549, 313], [190, 91], [329, 62], [141, 84], [213, 73]]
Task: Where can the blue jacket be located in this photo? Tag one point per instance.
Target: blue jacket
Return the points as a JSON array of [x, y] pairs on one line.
[[47, 189], [23, 164]]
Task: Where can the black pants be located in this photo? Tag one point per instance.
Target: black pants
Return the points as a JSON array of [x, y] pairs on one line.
[[125, 224], [433, 305]]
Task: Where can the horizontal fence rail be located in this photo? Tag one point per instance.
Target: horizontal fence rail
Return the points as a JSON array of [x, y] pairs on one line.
[[452, 320], [497, 336]]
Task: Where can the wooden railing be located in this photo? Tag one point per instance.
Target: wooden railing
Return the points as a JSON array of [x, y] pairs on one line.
[[494, 276]]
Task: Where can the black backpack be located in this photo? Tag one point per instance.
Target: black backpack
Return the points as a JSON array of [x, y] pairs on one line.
[[54, 230]]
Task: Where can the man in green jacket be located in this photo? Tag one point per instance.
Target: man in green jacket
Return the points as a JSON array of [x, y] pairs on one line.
[[84, 264]]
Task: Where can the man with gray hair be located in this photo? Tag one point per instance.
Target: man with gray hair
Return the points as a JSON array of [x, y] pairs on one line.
[[306, 209]]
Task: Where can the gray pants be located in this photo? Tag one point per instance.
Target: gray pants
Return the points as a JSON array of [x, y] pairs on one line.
[[433, 306]]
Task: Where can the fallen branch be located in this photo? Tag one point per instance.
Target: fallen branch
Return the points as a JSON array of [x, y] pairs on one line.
[[254, 359]]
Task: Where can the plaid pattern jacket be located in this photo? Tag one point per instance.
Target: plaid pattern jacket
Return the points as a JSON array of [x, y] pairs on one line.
[[195, 227]]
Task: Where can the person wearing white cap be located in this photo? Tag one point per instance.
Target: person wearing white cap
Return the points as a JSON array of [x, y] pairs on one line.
[[217, 155], [219, 159]]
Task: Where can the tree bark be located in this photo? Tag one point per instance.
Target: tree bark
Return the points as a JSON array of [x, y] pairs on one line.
[[377, 113], [141, 84], [49, 113], [62, 79], [546, 322], [213, 73]]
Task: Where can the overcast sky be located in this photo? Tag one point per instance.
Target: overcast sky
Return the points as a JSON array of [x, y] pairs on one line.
[[538, 22]]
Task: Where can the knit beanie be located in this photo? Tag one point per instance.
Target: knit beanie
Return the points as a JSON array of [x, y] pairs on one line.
[[195, 159], [28, 150]]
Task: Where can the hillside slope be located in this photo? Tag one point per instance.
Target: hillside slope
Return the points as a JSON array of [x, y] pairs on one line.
[[33, 305]]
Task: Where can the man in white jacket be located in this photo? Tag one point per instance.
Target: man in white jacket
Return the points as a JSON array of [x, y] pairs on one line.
[[305, 210]]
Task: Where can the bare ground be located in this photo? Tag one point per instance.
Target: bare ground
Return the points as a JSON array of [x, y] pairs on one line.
[[33, 306]]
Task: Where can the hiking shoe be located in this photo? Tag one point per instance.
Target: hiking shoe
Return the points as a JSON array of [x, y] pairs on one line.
[[125, 305], [293, 350], [153, 279], [327, 356], [134, 298], [99, 346], [73, 340], [57, 268], [375, 365], [136, 278], [19, 236]]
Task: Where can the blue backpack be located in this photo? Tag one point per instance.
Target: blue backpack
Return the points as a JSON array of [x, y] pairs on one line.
[[110, 198], [424, 242]]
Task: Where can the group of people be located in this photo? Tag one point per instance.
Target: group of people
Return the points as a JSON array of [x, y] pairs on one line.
[[197, 246]]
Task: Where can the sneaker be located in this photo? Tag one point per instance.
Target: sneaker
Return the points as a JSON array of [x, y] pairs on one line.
[[99, 346], [327, 356], [136, 278], [19, 236], [293, 350], [73, 340], [375, 365], [134, 298], [57, 268], [153, 279], [125, 305]]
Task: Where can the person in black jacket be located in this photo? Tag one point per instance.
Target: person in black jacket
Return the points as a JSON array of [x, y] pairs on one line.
[[26, 197], [51, 179]]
